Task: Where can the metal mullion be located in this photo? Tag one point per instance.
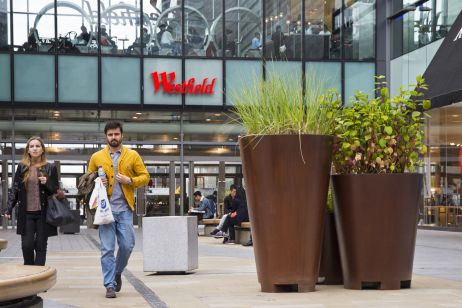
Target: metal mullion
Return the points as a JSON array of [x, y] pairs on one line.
[[11, 51], [142, 55], [98, 38], [183, 60], [55, 51], [263, 13], [223, 63]]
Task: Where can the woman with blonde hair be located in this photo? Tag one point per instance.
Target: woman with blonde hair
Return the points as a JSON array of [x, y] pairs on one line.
[[34, 181]]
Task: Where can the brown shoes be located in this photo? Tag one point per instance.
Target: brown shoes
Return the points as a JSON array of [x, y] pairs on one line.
[[110, 293], [118, 280]]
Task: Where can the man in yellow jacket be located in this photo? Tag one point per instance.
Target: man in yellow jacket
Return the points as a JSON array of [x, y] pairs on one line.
[[124, 171]]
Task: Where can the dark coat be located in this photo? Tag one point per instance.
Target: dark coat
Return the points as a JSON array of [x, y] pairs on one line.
[[18, 196], [239, 205]]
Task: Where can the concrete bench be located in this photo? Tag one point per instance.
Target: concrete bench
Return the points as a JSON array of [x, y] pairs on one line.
[[210, 225], [242, 232], [3, 244], [24, 281]]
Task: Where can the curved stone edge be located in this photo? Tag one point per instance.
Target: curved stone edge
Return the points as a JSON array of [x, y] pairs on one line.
[[3, 243], [27, 285]]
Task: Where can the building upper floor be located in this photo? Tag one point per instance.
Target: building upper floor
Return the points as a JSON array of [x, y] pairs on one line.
[[292, 29]]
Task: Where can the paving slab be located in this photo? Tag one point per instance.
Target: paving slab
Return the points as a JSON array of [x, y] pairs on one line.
[[226, 277]]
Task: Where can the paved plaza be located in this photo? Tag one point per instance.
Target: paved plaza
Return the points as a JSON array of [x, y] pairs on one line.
[[227, 277]]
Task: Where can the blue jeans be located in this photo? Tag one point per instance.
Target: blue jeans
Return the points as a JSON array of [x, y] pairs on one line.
[[122, 228]]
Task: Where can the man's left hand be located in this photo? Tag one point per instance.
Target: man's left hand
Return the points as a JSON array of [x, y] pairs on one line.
[[123, 179]]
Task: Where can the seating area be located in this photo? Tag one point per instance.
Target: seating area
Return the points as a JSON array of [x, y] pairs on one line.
[[242, 231]]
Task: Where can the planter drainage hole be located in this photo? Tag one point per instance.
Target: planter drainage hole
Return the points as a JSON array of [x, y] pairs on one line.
[[370, 285], [286, 287], [405, 284]]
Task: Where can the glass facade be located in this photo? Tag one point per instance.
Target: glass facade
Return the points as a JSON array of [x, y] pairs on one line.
[[416, 37], [167, 69], [422, 24]]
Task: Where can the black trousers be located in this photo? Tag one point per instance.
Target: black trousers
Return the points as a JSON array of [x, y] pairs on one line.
[[34, 241], [228, 226]]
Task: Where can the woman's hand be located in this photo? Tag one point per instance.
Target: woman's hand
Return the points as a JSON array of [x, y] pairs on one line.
[[42, 179]]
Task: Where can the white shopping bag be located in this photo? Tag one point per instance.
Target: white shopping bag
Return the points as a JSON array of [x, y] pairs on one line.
[[103, 214], [94, 195]]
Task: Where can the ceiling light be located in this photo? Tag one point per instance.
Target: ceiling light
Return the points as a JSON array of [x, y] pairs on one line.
[[217, 114], [175, 138], [138, 113], [230, 139], [208, 120], [135, 117], [454, 115], [452, 143]]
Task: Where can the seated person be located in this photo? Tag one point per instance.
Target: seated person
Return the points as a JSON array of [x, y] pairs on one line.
[[83, 37], [227, 209], [239, 215], [206, 206], [106, 40], [325, 31], [256, 43], [32, 40], [144, 36], [167, 40]]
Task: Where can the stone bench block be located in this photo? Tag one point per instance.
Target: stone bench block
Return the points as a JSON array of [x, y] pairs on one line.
[[19, 281], [170, 244], [3, 244]]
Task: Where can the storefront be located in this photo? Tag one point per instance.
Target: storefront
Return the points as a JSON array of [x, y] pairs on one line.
[[431, 45], [165, 68]]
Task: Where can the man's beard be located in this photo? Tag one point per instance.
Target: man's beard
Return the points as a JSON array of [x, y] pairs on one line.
[[114, 143]]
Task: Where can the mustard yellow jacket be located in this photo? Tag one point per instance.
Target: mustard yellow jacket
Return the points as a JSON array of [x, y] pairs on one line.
[[129, 164]]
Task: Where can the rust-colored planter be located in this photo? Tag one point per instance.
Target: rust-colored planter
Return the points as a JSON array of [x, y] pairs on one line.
[[376, 219], [330, 270], [287, 203]]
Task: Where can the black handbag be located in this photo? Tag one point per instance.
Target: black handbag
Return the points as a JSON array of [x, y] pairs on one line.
[[58, 212]]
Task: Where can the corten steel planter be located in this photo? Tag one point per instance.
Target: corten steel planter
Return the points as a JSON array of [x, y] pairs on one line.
[[330, 270], [376, 218], [287, 203]]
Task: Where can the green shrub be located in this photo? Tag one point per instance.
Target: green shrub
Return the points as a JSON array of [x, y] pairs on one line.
[[383, 134]]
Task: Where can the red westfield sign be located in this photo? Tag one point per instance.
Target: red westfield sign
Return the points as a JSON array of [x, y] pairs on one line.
[[167, 82]]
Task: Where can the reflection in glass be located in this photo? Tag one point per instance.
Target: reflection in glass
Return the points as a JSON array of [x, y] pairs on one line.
[[34, 26], [359, 29], [283, 29], [243, 29], [199, 18], [4, 24], [165, 19], [429, 22], [76, 24], [442, 170], [322, 29], [120, 27]]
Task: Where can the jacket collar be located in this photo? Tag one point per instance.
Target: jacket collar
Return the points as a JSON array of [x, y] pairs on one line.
[[123, 151]]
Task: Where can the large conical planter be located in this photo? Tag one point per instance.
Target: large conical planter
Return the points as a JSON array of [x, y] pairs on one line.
[[287, 178], [330, 270], [376, 219]]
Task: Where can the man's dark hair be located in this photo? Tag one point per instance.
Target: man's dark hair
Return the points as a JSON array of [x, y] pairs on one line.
[[113, 125], [197, 193], [232, 187]]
